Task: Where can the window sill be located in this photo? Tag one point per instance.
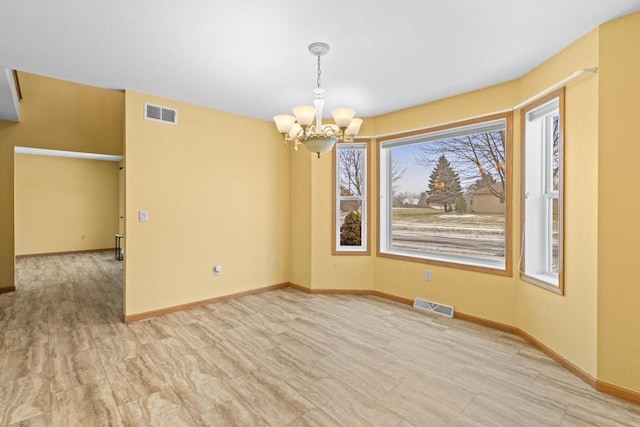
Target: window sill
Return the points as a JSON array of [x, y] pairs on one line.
[[544, 281], [499, 269], [352, 252]]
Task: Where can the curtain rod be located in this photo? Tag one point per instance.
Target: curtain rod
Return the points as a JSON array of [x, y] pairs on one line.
[[540, 94], [555, 86]]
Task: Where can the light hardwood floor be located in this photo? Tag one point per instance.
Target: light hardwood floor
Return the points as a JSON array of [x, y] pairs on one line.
[[281, 358]]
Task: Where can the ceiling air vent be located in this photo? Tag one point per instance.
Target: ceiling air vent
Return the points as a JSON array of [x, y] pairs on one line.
[[158, 113]]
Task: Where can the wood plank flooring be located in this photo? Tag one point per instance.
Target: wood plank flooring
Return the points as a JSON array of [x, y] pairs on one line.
[[281, 358]]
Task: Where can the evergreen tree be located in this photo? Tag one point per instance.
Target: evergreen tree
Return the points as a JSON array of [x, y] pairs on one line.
[[461, 205], [350, 231], [444, 185]]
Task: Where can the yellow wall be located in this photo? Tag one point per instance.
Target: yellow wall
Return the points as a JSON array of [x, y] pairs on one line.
[[7, 258], [56, 115], [618, 224], [216, 188], [479, 102], [312, 263], [64, 204], [61, 115], [301, 215], [568, 324]]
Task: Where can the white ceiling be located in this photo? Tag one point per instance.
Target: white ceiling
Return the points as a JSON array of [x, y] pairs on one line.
[[250, 57]]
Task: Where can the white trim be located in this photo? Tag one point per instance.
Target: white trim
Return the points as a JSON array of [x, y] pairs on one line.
[[68, 154], [452, 259], [13, 89], [547, 278]]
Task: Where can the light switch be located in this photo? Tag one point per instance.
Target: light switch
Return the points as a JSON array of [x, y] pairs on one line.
[[143, 216]]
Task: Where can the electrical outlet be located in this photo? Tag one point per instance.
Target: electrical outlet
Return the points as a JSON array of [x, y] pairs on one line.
[[217, 270], [272, 262], [427, 275]]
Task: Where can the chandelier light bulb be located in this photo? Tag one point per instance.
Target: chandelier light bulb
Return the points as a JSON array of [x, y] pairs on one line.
[[354, 127], [304, 115], [295, 131], [343, 116], [284, 123]]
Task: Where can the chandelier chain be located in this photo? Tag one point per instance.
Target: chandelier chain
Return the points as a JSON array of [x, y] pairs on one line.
[[319, 73]]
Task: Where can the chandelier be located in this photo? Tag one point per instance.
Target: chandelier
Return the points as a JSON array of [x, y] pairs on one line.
[[318, 138]]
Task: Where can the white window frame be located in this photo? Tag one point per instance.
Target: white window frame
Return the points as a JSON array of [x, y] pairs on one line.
[[338, 248], [385, 248], [540, 194]]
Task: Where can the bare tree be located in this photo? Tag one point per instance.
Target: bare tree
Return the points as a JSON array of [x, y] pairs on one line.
[[556, 148], [350, 164], [479, 157], [397, 172]]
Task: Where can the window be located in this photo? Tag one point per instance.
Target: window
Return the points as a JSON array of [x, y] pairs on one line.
[[542, 202], [350, 201], [443, 193]]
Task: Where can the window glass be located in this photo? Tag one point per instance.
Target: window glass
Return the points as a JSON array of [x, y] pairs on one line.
[[445, 195], [555, 237], [350, 223], [351, 189], [542, 202]]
